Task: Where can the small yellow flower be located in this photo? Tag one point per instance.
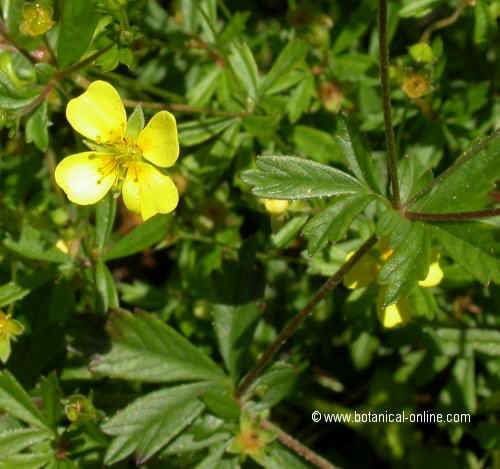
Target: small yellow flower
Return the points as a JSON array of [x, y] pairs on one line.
[[363, 273], [99, 115], [276, 206], [9, 330], [434, 276]]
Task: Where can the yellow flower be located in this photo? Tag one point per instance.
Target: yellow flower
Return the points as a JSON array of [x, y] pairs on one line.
[[363, 273], [119, 155], [276, 206], [9, 330], [434, 276]]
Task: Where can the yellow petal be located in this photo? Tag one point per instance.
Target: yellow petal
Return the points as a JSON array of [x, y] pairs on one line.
[[434, 276], [158, 140], [362, 273], [148, 189], [14, 327], [131, 191], [86, 177], [276, 206], [98, 113], [391, 316]]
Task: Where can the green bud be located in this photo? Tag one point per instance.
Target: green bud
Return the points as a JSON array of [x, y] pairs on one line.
[[37, 19], [421, 52]]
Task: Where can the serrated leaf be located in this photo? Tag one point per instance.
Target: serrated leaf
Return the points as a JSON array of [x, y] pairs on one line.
[[410, 260], [16, 401], [473, 245], [27, 461], [464, 186], [77, 26], [244, 67], [294, 52], [333, 222], [193, 133], [354, 151], [300, 98], [14, 441], [213, 458], [204, 88], [141, 237], [146, 349], [234, 327], [151, 421], [289, 177]]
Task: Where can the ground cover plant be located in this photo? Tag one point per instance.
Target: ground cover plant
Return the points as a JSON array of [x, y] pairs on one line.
[[249, 234]]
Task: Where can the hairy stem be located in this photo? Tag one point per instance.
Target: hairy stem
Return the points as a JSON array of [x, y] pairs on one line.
[[297, 447], [386, 97], [299, 318], [453, 216]]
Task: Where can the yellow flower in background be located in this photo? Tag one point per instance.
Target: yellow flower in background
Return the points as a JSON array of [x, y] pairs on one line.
[[120, 154], [9, 330], [363, 273], [276, 206]]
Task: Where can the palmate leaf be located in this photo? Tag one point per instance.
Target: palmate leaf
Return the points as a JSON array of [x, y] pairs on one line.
[[473, 245], [290, 177], [463, 187], [150, 422], [146, 349], [410, 260], [333, 222]]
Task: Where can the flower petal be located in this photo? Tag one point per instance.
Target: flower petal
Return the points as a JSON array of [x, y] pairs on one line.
[[158, 140], [131, 191], [156, 192], [98, 113], [86, 177], [434, 276]]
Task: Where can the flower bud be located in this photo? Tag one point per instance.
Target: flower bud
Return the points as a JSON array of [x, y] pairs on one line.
[[80, 408], [421, 52], [416, 84], [37, 19]]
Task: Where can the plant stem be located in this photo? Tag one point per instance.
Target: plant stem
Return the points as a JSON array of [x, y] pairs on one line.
[[299, 318], [296, 446], [453, 216], [384, 80], [458, 162], [5, 34], [443, 23]]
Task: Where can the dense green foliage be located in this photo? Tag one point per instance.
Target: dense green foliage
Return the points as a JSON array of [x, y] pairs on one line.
[[127, 342]]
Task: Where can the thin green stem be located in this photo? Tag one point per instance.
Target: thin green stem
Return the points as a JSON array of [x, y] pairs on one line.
[[299, 318], [384, 80], [457, 216], [459, 162]]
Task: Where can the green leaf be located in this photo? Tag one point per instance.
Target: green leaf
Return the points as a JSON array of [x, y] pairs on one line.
[[146, 349], [289, 177], [244, 67], [78, 22], [354, 151], [333, 222], [193, 133], [280, 458], [488, 435], [204, 88], [234, 327], [213, 458], [16, 402], [14, 441], [452, 341], [32, 245], [11, 292], [473, 245], [141, 237], [289, 231], [150, 422], [135, 123], [274, 385], [104, 220], [27, 461], [464, 186], [37, 127], [482, 22], [300, 98], [416, 8], [293, 53], [411, 258], [460, 392], [107, 296], [319, 145], [52, 396]]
